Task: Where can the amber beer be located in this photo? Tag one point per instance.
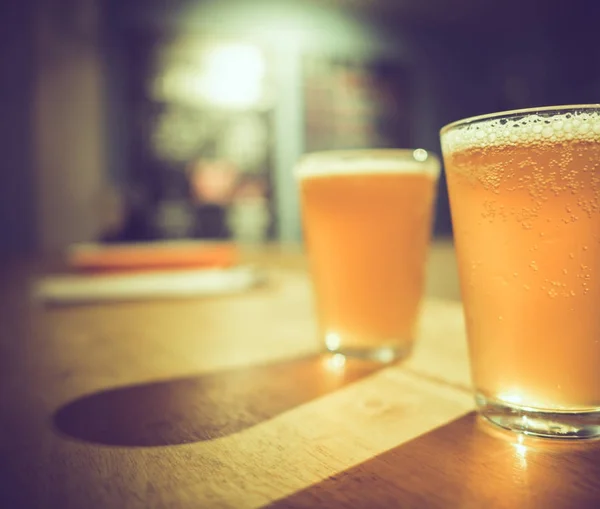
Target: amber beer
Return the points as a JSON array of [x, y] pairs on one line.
[[525, 200], [367, 217]]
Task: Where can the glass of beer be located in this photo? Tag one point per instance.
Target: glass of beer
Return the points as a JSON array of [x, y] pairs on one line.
[[525, 200], [367, 219]]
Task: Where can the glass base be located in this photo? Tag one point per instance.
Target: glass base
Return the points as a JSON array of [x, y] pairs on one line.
[[383, 354], [541, 423]]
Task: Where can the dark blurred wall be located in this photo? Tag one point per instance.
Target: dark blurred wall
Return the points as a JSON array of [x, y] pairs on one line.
[[17, 195], [63, 121], [51, 124], [70, 135]]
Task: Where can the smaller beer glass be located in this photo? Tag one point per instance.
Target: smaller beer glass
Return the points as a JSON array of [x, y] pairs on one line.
[[367, 220]]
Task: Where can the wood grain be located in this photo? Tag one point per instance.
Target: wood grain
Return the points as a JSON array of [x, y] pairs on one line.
[[222, 402], [466, 464], [297, 424]]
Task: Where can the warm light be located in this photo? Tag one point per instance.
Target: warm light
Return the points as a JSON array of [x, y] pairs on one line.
[[232, 76], [519, 446], [511, 397], [521, 450], [223, 75], [336, 362], [332, 341]]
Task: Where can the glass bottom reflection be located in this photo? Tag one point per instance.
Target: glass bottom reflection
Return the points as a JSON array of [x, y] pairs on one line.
[[531, 421], [383, 354]]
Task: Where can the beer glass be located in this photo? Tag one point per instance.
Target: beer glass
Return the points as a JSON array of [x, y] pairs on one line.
[[367, 220], [525, 200]]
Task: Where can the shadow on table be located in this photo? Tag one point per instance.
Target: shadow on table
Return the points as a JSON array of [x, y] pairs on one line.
[[466, 464], [207, 406]]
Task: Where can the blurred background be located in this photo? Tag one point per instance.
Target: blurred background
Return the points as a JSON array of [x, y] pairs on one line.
[[135, 120]]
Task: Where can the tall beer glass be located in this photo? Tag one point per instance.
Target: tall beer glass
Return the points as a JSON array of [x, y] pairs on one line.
[[367, 221], [525, 199]]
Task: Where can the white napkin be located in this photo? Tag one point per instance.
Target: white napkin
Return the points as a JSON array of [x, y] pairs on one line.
[[153, 285]]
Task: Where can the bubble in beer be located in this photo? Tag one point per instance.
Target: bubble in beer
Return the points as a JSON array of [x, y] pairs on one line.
[[332, 341]]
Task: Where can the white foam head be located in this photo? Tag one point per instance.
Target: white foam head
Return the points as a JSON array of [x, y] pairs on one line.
[[523, 127], [367, 162]]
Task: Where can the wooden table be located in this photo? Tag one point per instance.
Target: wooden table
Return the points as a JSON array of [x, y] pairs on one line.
[[223, 402]]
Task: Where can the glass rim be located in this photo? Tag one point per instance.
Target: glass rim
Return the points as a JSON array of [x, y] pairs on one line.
[[352, 161], [523, 112]]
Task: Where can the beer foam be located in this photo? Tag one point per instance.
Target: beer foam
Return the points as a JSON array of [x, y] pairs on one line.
[[522, 129], [326, 164]]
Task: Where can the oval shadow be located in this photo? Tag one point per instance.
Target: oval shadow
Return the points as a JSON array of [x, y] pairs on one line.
[[207, 406]]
